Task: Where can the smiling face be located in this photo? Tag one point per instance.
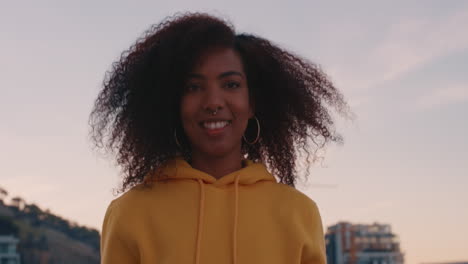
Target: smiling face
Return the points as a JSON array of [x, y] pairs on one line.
[[215, 105]]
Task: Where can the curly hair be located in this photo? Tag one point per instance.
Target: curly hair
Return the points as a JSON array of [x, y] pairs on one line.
[[137, 111]]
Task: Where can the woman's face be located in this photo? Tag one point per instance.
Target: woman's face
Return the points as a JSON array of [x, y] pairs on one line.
[[215, 105]]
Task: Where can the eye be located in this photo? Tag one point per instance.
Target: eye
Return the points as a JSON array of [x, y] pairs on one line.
[[192, 87], [232, 85]]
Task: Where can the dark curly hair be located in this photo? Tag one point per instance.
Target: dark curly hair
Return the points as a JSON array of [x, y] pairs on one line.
[[136, 113]]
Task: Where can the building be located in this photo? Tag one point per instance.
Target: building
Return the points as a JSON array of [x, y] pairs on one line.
[[362, 244], [8, 253]]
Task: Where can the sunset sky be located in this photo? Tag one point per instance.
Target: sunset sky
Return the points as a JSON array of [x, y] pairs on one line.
[[402, 65]]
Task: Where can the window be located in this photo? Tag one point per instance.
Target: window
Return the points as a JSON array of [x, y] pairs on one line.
[[3, 248]]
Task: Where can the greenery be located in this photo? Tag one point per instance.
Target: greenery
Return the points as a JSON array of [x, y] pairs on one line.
[[8, 227], [45, 237]]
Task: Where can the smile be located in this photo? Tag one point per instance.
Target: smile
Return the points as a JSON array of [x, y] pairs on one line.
[[215, 127], [216, 124]]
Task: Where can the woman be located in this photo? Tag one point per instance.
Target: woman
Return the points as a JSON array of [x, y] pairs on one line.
[[202, 120]]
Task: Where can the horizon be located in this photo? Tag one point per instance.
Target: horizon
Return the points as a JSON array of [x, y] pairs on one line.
[[401, 67], [326, 228]]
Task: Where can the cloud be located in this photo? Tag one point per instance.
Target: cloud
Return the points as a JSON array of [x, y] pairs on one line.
[[407, 44], [443, 96], [415, 42]]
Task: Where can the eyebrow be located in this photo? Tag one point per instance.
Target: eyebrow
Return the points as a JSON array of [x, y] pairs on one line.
[[222, 75]]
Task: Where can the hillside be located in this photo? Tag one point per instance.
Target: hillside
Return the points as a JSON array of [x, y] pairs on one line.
[[46, 238]]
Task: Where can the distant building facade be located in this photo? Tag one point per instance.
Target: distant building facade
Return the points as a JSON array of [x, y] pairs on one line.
[[362, 244], [8, 253]]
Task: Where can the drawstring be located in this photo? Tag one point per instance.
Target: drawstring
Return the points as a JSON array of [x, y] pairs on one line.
[[236, 212], [200, 220]]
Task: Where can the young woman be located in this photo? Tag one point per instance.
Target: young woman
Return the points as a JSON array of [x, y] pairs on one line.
[[207, 126]]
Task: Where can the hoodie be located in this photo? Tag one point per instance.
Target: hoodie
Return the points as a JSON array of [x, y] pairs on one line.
[[188, 216]]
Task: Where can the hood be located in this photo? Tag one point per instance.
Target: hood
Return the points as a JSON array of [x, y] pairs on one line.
[[179, 169]]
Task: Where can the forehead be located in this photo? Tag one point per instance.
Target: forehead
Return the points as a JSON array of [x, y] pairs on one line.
[[218, 60]]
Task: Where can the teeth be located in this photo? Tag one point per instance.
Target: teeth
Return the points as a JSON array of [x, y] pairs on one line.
[[215, 125]]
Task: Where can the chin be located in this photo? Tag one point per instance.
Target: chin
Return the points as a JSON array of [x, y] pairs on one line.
[[217, 151]]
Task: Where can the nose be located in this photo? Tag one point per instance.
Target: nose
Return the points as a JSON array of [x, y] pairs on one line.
[[213, 100]]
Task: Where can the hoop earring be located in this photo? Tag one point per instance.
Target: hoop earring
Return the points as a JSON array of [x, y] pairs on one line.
[[258, 133], [177, 140]]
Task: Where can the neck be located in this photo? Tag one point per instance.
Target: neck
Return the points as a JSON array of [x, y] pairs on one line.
[[216, 166]]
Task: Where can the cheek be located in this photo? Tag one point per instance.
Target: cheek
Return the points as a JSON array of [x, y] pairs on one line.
[[243, 113], [187, 108]]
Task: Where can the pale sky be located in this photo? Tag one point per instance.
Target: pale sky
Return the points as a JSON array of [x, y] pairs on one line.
[[401, 65]]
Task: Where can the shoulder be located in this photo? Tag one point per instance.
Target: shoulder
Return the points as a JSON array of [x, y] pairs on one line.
[[294, 195], [124, 212], [297, 200], [130, 201]]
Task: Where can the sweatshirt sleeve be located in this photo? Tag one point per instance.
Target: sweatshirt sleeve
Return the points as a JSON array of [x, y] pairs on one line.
[[313, 251], [114, 247]]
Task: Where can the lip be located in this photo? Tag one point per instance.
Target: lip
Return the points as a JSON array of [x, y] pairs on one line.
[[215, 132]]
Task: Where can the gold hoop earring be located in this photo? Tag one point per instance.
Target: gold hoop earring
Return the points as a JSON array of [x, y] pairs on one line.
[[177, 140], [258, 133]]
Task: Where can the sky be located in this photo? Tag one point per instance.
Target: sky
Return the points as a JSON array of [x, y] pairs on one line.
[[402, 66]]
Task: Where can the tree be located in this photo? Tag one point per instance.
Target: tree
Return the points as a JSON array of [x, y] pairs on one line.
[[3, 194], [7, 227], [18, 202]]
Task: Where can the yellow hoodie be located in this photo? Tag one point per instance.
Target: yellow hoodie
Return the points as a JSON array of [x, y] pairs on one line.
[[188, 216]]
